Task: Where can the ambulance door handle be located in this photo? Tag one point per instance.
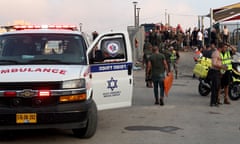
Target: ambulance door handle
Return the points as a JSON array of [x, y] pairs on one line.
[[129, 67]]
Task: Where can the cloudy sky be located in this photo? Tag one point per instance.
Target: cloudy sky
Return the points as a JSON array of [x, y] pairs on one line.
[[105, 15]]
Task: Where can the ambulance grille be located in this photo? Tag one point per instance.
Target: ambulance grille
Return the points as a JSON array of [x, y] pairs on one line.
[[29, 102], [31, 85]]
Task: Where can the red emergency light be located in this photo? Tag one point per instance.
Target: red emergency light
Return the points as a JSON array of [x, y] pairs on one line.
[[10, 94], [67, 27], [44, 93]]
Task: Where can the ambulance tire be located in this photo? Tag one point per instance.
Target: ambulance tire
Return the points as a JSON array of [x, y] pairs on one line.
[[91, 126]]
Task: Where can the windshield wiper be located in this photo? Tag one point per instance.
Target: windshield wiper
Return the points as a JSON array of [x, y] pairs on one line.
[[9, 62], [46, 61]]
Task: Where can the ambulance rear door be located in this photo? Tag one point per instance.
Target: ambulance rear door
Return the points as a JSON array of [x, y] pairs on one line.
[[111, 65]]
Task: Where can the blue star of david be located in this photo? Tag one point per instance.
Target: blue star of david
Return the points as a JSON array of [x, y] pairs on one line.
[[112, 84]]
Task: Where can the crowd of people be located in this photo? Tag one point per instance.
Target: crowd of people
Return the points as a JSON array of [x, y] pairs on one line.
[[161, 56], [220, 72], [220, 52]]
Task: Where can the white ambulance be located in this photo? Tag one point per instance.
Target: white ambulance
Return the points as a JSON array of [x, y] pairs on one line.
[[51, 78]]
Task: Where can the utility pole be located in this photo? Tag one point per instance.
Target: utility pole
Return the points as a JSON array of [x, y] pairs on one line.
[[202, 21], [199, 23], [169, 20], [138, 23], [166, 17], [211, 23], [135, 16]]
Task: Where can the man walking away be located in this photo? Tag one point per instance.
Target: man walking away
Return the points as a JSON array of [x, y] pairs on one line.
[[158, 65]]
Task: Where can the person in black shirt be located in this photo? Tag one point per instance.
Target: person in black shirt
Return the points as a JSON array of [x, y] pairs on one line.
[[214, 36]]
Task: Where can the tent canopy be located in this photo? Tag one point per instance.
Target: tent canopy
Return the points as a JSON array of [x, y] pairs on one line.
[[227, 13]]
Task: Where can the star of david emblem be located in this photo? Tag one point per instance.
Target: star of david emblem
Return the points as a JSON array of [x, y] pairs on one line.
[[112, 84]]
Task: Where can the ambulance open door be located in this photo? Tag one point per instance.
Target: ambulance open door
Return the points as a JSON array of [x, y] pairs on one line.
[[111, 65]]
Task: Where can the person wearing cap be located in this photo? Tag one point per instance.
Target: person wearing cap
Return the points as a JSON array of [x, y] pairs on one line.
[[215, 74]]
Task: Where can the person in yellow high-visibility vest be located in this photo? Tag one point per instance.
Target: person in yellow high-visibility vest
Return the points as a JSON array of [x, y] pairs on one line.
[[174, 58], [226, 56]]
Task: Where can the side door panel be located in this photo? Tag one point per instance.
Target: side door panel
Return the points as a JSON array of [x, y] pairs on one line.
[[111, 68]]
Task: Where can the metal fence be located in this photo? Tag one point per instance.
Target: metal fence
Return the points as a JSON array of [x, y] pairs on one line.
[[234, 31]]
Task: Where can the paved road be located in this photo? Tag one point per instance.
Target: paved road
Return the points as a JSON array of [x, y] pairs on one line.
[[185, 119]]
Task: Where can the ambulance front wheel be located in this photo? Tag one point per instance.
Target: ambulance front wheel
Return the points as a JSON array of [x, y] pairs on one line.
[[91, 126]]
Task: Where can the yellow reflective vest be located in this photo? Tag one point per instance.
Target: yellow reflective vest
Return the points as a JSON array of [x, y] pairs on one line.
[[173, 56], [226, 59]]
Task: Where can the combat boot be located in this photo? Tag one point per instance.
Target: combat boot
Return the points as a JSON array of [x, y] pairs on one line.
[[161, 102]]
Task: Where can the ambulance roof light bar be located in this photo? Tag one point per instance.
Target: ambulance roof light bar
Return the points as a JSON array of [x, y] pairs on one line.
[[23, 27]]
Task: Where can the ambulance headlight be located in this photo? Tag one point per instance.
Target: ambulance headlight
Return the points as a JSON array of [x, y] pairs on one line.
[[78, 83]]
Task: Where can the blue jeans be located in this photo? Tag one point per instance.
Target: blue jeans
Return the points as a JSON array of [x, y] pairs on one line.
[[158, 83]]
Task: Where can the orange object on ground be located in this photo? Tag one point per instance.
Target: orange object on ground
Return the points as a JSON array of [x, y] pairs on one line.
[[168, 83]]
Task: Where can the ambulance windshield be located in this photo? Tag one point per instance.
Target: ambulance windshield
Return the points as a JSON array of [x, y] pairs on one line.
[[42, 49]]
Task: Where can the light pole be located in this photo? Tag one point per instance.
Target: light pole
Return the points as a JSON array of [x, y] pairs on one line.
[[138, 10], [80, 27], [165, 16], [135, 19]]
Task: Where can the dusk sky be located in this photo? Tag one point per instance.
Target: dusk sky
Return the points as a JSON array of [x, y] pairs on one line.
[[105, 15]]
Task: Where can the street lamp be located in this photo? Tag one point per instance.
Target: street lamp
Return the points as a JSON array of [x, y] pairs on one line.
[[80, 27], [135, 20], [138, 10]]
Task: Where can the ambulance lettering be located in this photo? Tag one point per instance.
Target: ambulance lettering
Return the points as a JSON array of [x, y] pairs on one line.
[[48, 70], [108, 67], [120, 67], [105, 68]]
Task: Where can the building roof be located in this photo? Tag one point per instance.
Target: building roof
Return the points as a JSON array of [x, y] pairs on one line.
[[227, 13]]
